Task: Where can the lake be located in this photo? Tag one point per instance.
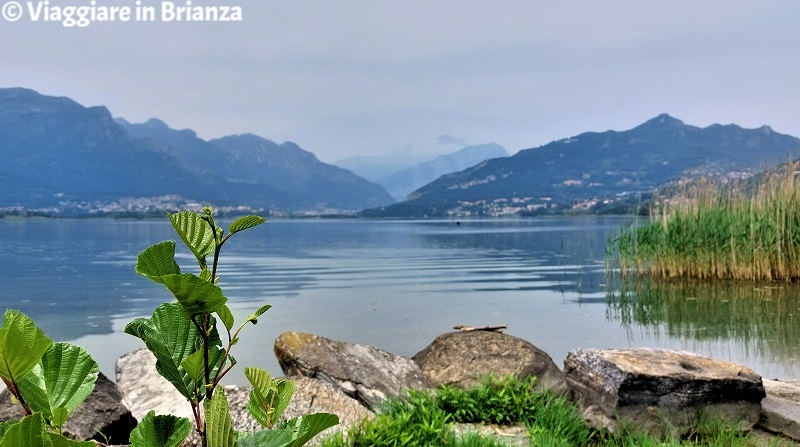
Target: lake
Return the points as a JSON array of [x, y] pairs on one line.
[[396, 285]]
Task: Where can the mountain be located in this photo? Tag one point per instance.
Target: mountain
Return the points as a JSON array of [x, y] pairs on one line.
[[250, 162], [598, 169], [250, 158], [377, 167], [400, 184], [54, 148], [63, 157]]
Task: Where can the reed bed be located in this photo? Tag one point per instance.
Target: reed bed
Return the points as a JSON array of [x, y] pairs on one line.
[[742, 230]]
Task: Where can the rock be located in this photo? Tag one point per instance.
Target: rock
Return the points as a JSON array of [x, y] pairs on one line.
[[102, 415], [660, 391], [144, 389], [310, 396], [780, 410], [318, 396], [366, 373], [460, 358]]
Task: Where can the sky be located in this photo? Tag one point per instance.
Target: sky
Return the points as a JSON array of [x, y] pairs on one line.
[[348, 77]]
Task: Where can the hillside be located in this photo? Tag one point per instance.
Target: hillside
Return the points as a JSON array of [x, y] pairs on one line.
[[597, 169], [402, 183], [63, 158]]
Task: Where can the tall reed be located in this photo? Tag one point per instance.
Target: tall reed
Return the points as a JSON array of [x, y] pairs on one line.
[[744, 230]]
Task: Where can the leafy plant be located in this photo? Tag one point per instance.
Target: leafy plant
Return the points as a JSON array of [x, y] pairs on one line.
[[185, 338], [49, 380]]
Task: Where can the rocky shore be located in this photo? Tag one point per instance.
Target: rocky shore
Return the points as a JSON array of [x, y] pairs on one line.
[[661, 391]]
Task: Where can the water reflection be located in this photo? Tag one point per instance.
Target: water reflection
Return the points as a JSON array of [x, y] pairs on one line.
[[762, 320]]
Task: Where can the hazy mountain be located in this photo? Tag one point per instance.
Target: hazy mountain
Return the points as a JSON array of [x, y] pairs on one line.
[[54, 147], [252, 159], [402, 183], [55, 150], [598, 168], [379, 166]]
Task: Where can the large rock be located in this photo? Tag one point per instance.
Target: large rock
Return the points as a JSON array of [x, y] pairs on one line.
[[780, 410], [310, 396], [144, 389], [460, 358], [366, 373], [103, 415], [663, 392]]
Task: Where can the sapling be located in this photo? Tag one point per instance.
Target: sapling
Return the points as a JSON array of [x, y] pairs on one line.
[[49, 380], [185, 338]]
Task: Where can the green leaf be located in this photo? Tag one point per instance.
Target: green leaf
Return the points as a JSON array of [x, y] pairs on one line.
[[268, 398], [5, 426], [253, 317], [205, 275], [157, 261], [226, 316], [160, 431], [63, 378], [267, 438], [194, 366], [29, 432], [195, 232], [308, 426], [245, 222], [58, 440], [172, 337], [219, 428], [196, 295], [60, 416], [22, 344]]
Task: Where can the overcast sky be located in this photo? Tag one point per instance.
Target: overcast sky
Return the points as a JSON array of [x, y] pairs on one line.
[[348, 77]]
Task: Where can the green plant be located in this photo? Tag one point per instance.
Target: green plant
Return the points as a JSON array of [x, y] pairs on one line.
[[498, 400], [49, 380], [424, 419], [185, 338], [744, 230]]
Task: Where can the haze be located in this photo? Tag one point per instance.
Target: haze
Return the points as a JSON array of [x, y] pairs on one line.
[[347, 77]]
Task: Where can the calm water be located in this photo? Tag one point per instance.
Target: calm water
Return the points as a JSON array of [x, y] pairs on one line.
[[396, 285]]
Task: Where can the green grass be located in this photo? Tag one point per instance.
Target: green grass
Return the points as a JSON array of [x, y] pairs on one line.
[[740, 230], [425, 419]]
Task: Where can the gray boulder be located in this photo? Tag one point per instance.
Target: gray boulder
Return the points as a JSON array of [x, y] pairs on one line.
[[310, 396], [366, 373], [102, 415], [663, 392], [460, 358], [144, 389], [780, 410]]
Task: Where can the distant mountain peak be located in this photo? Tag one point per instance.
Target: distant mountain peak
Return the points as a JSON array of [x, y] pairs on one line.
[[155, 123], [662, 121]]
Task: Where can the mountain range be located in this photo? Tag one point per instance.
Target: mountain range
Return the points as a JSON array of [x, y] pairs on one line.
[[596, 171], [62, 158], [60, 155]]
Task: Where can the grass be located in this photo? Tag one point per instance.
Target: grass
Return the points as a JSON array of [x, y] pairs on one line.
[[743, 230], [425, 419]]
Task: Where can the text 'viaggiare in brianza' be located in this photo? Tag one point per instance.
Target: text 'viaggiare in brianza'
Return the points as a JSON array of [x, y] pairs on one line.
[[73, 14]]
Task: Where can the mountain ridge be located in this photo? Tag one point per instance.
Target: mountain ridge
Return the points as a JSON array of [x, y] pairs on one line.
[[65, 157], [592, 169]]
